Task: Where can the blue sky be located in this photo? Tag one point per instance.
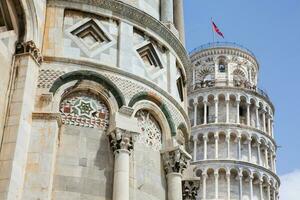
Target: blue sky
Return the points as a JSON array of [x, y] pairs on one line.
[[271, 29]]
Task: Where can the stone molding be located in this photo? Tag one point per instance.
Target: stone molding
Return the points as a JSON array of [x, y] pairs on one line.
[[190, 188], [136, 16], [175, 160], [30, 48], [48, 116], [121, 140]]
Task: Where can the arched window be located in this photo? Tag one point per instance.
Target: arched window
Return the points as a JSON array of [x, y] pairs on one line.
[[151, 134], [5, 20], [85, 110], [222, 65]]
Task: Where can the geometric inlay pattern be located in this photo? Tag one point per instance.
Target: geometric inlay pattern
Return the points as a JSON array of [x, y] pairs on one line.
[[90, 36], [47, 77], [84, 110], [151, 135]]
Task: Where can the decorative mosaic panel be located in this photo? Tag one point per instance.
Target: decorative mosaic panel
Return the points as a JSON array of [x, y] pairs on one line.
[[84, 110], [150, 130], [47, 77]]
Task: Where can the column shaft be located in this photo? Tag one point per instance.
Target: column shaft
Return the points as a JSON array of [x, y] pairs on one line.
[[240, 186], [239, 148], [251, 188], [216, 111], [167, 11], [261, 190], [248, 114], [205, 148], [249, 150], [179, 19], [257, 117], [204, 186], [259, 154], [216, 147], [228, 186], [195, 149], [228, 147], [216, 186], [237, 112], [174, 186], [227, 111], [121, 175], [205, 112], [266, 157], [195, 113], [264, 122]]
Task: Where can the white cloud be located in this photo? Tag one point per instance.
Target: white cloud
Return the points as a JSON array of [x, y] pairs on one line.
[[290, 186]]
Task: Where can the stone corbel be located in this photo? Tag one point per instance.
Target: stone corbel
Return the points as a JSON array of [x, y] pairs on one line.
[[190, 188], [30, 48], [175, 160]]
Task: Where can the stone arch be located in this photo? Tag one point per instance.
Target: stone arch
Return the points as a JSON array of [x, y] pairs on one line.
[[92, 76], [182, 127], [155, 99], [159, 116]]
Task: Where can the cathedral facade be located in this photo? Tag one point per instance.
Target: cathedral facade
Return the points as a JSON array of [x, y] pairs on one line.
[[100, 101]]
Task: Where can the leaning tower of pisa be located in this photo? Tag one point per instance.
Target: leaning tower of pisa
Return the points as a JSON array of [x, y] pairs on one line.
[[234, 151]]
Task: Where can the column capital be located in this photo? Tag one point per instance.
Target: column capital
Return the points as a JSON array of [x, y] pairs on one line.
[[190, 188], [195, 103], [175, 160], [30, 48], [121, 139]]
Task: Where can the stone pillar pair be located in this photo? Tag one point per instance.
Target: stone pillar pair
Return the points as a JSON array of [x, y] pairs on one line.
[[175, 160]]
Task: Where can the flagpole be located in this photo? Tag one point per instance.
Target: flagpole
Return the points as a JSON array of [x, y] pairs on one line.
[[212, 29]]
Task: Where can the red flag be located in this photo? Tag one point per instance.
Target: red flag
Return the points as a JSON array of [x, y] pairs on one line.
[[217, 30]]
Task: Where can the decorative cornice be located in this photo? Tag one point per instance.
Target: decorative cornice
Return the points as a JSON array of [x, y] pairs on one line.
[[48, 116], [125, 11], [222, 163], [190, 188], [30, 48], [175, 160]]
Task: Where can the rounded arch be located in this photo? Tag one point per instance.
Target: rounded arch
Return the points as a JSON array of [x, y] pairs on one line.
[[91, 76], [153, 98], [157, 114]]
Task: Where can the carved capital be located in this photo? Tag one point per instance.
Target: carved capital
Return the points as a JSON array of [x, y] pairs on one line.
[[190, 188], [175, 160], [121, 139], [30, 48]]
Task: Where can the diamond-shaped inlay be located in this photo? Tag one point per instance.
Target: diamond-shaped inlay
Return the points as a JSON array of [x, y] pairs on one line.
[[149, 55], [90, 36]]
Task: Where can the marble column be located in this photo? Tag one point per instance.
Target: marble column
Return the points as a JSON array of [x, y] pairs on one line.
[[259, 154], [239, 147], [248, 114], [179, 19], [205, 147], [216, 146], [249, 150], [205, 112], [216, 185], [269, 191], [216, 110], [195, 148], [121, 143], [228, 185], [269, 125], [266, 157], [261, 192], [195, 113], [228, 146], [264, 121], [204, 177], [251, 187], [257, 117], [167, 11], [175, 160], [238, 112], [240, 185], [227, 111]]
